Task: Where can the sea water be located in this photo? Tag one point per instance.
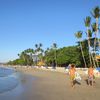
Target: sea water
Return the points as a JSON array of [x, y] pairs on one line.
[[8, 79]]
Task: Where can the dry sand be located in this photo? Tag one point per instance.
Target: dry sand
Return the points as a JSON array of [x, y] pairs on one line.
[[37, 84]]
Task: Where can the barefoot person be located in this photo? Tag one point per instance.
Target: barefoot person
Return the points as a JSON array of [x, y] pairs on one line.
[[72, 71], [90, 75]]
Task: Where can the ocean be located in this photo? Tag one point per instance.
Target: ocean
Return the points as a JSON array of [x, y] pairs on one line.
[[8, 79]]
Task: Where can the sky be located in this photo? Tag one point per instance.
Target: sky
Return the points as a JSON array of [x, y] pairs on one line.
[[24, 23]]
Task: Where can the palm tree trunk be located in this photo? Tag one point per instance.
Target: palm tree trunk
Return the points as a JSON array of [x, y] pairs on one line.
[[89, 47], [91, 56], [94, 51], [83, 55], [97, 33], [93, 61]]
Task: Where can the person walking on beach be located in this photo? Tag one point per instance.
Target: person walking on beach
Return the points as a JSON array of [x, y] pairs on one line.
[[72, 71], [90, 76]]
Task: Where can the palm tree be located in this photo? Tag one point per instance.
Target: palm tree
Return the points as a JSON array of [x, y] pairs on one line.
[[38, 51], [96, 14], [79, 36], [18, 54], [31, 52], [94, 30], [36, 46], [87, 22], [55, 47], [46, 51], [40, 44], [89, 37]]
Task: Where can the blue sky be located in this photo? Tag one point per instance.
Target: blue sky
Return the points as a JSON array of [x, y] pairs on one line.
[[24, 23]]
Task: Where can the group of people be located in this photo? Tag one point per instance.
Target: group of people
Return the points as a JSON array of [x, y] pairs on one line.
[[72, 74]]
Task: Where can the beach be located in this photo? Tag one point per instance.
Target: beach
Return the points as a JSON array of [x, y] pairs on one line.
[[38, 84]]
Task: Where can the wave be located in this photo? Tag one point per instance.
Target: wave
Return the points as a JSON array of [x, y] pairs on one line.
[[4, 71], [8, 80]]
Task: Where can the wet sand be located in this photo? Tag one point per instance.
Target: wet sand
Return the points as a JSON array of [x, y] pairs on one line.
[[37, 84]]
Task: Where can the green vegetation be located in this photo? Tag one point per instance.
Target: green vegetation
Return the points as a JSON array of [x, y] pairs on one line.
[[83, 54]]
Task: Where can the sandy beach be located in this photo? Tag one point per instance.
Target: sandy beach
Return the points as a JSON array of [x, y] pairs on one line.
[[38, 84]]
